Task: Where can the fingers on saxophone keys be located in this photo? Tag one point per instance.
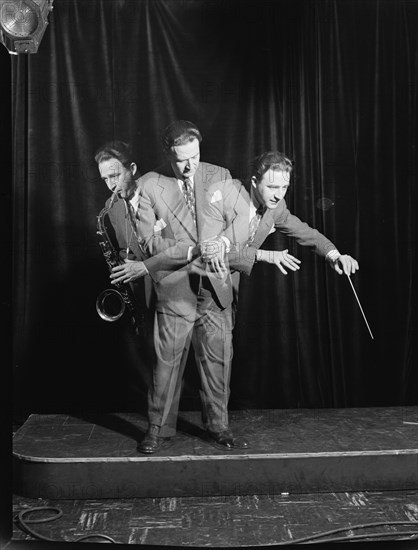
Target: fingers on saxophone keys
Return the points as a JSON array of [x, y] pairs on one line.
[[120, 280]]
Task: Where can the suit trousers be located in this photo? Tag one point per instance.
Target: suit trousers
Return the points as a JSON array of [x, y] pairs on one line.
[[210, 334]]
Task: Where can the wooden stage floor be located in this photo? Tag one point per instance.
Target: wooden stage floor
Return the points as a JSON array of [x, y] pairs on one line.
[[230, 521], [94, 456]]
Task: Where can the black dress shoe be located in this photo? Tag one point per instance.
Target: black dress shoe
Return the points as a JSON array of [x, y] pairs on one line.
[[152, 442], [227, 440]]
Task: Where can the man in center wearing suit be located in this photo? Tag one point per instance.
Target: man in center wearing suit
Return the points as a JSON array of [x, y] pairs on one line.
[[193, 303]]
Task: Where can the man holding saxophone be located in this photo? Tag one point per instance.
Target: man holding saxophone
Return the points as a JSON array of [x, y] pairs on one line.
[[119, 172], [130, 269]]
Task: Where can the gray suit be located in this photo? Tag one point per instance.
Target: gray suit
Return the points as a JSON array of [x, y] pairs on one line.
[[193, 305], [230, 215]]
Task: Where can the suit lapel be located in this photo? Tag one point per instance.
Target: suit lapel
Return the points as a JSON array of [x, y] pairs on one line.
[[172, 196], [122, 227], [200, 190], [117, 213], [240, 216], [266, 223]]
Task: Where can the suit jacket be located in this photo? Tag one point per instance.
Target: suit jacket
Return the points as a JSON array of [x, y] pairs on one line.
[[230, 213], [167, 227], [123, 232], [122, 235]]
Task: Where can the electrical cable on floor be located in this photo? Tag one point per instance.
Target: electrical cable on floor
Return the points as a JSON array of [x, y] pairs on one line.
[[313, 538], [22, 522], [370, 537]]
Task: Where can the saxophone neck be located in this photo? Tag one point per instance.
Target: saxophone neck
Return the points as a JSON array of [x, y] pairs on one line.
[[106, 209], [113, 199]]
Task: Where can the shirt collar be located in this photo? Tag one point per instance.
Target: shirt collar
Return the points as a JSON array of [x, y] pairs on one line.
[[254, 199], [134, 201], [181, 181]]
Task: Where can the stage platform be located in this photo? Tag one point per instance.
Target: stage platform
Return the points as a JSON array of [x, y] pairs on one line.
[[94, 456]]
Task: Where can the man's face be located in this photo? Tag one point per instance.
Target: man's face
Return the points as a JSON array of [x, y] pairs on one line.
[[184, 159], [118, 178], [272, 187]]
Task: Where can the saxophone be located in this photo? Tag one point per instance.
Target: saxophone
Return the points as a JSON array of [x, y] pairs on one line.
[[123, 293]]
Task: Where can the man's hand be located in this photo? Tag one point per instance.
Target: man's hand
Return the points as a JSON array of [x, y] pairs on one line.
[[128, 272], [213, 254], [211, 249], [280, 258], [218, 267], [348, 264]]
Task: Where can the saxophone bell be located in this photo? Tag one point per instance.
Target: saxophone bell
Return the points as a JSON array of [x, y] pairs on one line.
[[110, 305], [112, 302]]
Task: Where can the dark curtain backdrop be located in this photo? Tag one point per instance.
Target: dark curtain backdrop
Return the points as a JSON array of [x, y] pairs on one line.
[[332, 83]]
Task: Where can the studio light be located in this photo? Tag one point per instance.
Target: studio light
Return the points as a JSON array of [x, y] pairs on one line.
[[23, 24]]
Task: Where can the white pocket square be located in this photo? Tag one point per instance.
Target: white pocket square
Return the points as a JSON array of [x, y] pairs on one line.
[[159, 225], [217, 196]]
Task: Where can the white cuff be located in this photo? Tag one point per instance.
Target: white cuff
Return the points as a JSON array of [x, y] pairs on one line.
[[189, 254], [333, 255]]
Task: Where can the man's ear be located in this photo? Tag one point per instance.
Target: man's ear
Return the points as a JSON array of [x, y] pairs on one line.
[[133, 168]]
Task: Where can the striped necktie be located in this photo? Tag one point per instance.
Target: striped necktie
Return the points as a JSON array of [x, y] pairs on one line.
[[130, 214], [189, 196], [254, 223]]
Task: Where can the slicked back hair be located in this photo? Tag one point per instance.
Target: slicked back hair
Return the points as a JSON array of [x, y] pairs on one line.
[[179, 132], [271, 160], [119, 150]]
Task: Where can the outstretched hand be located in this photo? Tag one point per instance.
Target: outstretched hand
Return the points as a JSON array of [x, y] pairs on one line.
[[280, 258], [128, 272], [345, 265]]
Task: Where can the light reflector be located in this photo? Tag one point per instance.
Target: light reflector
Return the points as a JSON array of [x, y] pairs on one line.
[[23, 23]]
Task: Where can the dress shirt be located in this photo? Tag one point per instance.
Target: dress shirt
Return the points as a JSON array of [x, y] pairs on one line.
[[134, 205], [181, 187]]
